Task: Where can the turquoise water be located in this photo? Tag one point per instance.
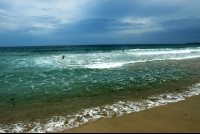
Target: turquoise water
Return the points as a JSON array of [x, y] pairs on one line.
[[51, 94]]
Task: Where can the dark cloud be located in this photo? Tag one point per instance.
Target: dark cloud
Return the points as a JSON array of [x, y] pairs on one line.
[[181, 23], [176, 35], [95, 26], [100, 22], [132, 8], [45, 19], [2, 17], [87, 26]]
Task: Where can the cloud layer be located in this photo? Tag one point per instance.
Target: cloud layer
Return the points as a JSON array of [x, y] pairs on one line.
[[67, 22]]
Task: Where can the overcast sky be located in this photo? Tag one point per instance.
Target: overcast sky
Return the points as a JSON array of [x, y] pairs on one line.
[[86, 22]]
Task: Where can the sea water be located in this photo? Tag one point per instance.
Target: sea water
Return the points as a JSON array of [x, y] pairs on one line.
[[40, 91]]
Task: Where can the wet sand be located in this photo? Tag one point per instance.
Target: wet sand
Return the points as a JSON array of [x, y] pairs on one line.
[[178, 117]]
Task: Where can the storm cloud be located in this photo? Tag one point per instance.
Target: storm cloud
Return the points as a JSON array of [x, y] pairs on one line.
[[82, 22]]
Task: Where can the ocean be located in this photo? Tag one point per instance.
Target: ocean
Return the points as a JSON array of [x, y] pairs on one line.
[[40, 91]]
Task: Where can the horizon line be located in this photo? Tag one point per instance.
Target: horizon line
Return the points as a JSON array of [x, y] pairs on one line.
[[104, 44]]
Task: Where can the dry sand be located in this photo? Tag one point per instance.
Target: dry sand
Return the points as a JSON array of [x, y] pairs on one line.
[[178, 117]]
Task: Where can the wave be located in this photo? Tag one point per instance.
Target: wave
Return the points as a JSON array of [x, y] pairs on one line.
[[60, 123], [165, 52], [112, 65], [91, 61]]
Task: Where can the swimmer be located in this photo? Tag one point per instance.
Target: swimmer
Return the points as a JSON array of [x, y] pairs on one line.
[[63, 56]]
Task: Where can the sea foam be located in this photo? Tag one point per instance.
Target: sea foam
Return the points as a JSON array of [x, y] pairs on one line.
[[60, 123]]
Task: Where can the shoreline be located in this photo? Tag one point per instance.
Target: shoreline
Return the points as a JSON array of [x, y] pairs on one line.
[[182, 116]]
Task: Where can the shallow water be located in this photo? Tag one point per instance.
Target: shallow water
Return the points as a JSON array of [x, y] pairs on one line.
[[53, 94]]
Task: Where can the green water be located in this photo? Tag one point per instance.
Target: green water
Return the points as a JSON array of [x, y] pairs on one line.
[[44, 85]]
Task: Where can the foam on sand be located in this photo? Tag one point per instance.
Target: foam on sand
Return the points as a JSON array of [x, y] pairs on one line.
[[60, 123]]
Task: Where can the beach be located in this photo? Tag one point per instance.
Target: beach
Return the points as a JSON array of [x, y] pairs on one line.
[[178, 117], [99, 66], [105, 89]]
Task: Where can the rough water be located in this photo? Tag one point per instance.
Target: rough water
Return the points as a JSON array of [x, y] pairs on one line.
[[40, 91]]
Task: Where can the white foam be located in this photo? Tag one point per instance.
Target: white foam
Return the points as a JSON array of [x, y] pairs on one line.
[[108, 60], [104, 65], [187, 57], [112, 65], [163, 52], [122, 107], [59, 123]]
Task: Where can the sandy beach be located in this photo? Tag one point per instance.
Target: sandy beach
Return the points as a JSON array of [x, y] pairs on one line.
[[178, 117]]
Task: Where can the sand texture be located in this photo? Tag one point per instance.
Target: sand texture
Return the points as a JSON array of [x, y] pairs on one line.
[[178, 117]]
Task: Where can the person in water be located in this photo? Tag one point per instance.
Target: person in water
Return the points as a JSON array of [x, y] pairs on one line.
[[63, 56]]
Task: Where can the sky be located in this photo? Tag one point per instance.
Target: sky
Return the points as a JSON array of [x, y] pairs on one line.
[[90, 22]]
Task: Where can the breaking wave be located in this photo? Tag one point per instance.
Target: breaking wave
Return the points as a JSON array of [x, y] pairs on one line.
[[60, 123]]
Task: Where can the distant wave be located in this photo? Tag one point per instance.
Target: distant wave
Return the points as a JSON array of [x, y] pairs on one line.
[[112, 65]]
